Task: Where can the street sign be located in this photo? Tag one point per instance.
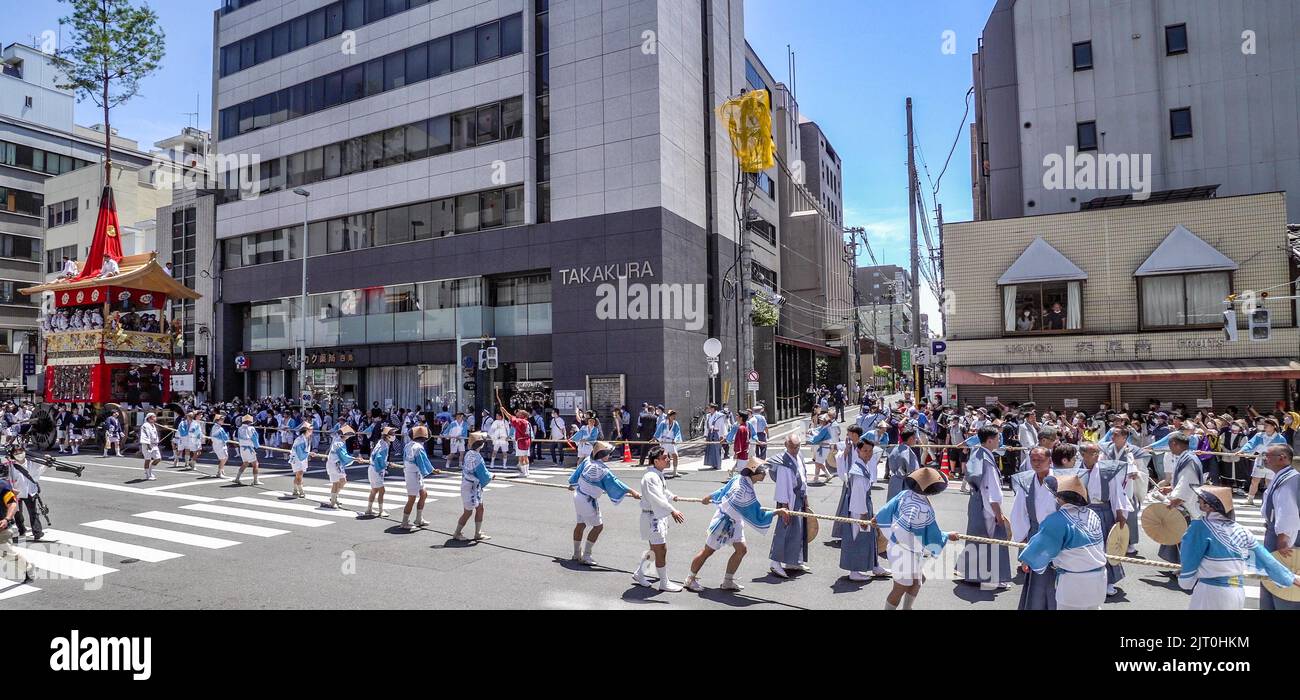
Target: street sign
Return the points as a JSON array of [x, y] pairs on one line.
[[470, 386], [906, 365], [751, 386], [468, 362], [241, 362], [29, 364], [1071, 403], [1205, 403], [938, 347], [570, 400], [753, 375], [921, 356], [990, 400]]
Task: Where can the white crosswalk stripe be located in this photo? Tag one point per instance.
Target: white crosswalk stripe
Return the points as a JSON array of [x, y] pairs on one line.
[[68, 566], [210, 524], [257, 515], [158, 533], [128, 551], [324, 494], [301, 508], [13, 589]]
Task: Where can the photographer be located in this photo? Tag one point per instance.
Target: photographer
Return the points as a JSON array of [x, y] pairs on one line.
[[25, 479]]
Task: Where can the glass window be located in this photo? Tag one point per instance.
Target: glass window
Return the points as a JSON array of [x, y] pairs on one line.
[[263, 41], [334, 19], [417, 63], [392, 7], [315, 165], [442, 217], [1184, 300], [421, 220], [354, 86], [512, 118], [1180, 123], [394, 70], [356, 229], [333, 90], [1086, 133], [316, 243], [440, 56], [354, 13], [1175, 39], [336, 238], [514, 209], [394, 146], [488, 127], [374, 77], [295, 169], [512, 35], [464, 49], [489, 41], [378, 228], [230, 59], [1041, 307], [333, 160], [417, 141], [399, 225], [316, 26], [248, 52], [374, 151], [354, 155], [374, 10], [229, 122], [1083, 56], [467, 213], [281, 112], [297, 33], [439, 129], [262, 111], [234, 248], [463, 128], [297, 100], [293, 242], [542, 34], [351, 303], [491, 209], [316, 95]]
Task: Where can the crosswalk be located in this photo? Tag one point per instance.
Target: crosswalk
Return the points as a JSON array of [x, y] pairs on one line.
[[1251, 518]]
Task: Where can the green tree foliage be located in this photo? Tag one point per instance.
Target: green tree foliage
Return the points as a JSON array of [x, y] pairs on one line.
[[765, 313]]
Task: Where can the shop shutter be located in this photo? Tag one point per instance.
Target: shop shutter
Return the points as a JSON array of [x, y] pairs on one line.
[[974, 394], [1138, 394], [1052, 396], [1262, 394]]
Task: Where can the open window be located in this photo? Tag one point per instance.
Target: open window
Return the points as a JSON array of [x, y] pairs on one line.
[[1042, 292]]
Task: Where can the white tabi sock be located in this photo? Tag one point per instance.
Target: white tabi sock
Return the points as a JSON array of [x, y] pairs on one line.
[[419, 516], [663, 573], [577, 548], [586, 547], [478, 527], [908, 600], [890, 606]]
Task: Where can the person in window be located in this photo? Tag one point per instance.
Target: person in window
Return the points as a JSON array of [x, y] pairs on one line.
[[168, 267], [1025, 321], [1054, 318]]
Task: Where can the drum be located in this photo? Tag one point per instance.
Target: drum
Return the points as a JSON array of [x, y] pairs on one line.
[[1292, 562], [810, 533], [1165, 525], [1117, 540]]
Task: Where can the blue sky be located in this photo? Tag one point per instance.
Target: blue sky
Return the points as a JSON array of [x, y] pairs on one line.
[[858, 60]]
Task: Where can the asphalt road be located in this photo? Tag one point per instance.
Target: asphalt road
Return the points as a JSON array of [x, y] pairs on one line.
[[257, 550]]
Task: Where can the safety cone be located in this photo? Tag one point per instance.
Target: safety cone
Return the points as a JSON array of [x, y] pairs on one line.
[[627, 452], [944, 466]]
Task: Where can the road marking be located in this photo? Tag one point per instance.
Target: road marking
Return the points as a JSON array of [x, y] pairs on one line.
[[257, 515], [121, 549], [292, 506], [64, 566], [13, 589], [210, 524], [284, 495], [126, 489], [158, 533]]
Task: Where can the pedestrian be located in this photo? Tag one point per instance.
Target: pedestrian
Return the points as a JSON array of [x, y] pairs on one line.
[[337, 460], [1107, 496], [714, 422], [586, 434], [219, 438], [1034, 502], [1186, 476], [113, 434], [1267, 436], [149, 448], [589, 481], [1072, 542], [454, 432], [26, 481], [416, 466], [739, 438], [558, 433], [669, 436], [737, 505], [474, 477], [1281, 511], [249, 442], [986, 565], [299, 456], [844, 461], [913, 534], [823, 443], [789, 542], [523, 437], [378, 470], [858, 553], [656, 509], [758, 431], [1216, 552]]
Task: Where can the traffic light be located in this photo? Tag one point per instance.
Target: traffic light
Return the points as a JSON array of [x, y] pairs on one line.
[[487, 358], [1230, 325], [1261, 325]]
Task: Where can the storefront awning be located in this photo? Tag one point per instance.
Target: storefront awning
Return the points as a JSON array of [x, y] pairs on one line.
[[819, 349], [1146, 371]]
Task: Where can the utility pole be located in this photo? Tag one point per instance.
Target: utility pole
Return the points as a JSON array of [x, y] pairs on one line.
[[851, 257], [911, 218]]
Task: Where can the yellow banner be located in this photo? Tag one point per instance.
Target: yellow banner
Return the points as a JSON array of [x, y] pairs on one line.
[[748, 120]]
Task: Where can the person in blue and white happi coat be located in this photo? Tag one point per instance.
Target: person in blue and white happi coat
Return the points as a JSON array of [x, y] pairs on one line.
[[715, 427], [220, 440], [1107, 495], [669, 436], [1072, 542], [416, 466], [901, 462], [1034, 502], [181, 441], [193, 445], [656, 511], [987, 565], [758, 432], [337, 461], [912, 534], [113, 434], [299, 455], [585, 436], [1217, 552], [738, 506], [869, 418], [1281, 512], [822, 441], [379, 469], [474, 477], [858, 552], [789, 539], [1256, 445], [843, 463], [589, 481], [249, 442], [455, 431]]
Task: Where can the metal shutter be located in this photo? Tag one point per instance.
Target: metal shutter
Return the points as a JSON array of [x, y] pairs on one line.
[[1186, 393], [1262, 394], [974, 394], [1052, 396]]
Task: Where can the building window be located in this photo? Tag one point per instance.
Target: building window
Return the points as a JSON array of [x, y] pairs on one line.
[[1043, 307], [764, 276], [1083, 56], [1086, 133], [1180, 123], [764, 230], [21, 248], [9, 294], [541, 85], [1194, 299], [1175, 39], [54, 257]]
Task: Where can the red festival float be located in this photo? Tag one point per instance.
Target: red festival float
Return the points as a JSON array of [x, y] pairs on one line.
[[106, 339]]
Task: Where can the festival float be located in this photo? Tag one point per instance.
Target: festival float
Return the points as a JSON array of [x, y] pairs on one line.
[[106, 339]]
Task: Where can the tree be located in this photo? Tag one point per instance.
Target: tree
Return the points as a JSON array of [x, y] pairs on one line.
[[765, 313], [113, 46]]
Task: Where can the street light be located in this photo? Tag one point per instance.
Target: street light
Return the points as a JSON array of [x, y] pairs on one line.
[[302, 342]]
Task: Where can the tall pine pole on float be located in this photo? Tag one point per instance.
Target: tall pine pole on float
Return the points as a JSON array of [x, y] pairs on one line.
[[113, 45]]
